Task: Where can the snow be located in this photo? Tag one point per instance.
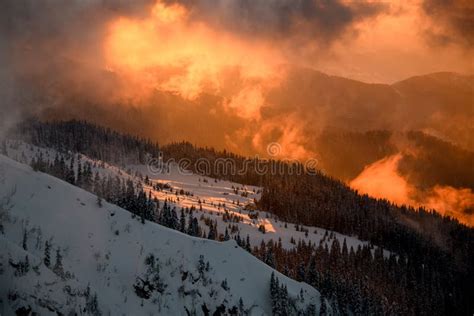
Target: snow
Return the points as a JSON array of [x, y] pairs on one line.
[[211, 193], [215, 192], [105, 249]]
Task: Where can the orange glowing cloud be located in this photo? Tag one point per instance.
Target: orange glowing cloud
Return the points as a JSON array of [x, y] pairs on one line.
[[382, 180], [169, 52], [286, 135], [458, 203]]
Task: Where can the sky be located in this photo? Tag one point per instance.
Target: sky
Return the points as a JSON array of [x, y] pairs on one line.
[[221, 61], [372, 41]]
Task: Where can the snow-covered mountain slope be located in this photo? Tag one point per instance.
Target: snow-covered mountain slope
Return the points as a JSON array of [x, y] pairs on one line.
[[213, 199], [112, 263]]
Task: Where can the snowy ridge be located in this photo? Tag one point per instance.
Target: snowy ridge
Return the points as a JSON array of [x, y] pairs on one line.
[[109, 259], [211, 199]]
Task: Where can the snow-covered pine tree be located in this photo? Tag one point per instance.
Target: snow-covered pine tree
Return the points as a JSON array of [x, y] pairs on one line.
[[269, 257], [71, 177], [47, 254], [201, 266], [58, 266], [79, 179], [24, 243]]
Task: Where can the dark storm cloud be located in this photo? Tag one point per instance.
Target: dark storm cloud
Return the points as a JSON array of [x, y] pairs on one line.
[[56, 17], [323, 20], [453, 20]]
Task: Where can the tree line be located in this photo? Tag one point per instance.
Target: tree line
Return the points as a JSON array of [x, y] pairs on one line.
[[432, 271]]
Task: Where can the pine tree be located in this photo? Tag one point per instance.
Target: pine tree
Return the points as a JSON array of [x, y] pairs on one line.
[[193, 228], [311, 273], [182, 221], [279, 297], [174, 223], [99, 201], [47, 256], [247, 244], [201, 266], [241, 307], [212, 234], [96, 187], [224, 285], [323, 311], [80, 180], [25, 239], [273, 292], [92, 303], [4, 148], [311, 310], [269, 257], [71, 177], [284, 303], [300, 274], [87, 177], [58, 266], [26, 266]]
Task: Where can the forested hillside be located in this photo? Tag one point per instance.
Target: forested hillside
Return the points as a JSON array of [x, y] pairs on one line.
[[429, 269], [66, 253]]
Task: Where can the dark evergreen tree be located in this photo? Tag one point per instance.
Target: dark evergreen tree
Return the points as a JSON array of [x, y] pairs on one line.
[[71, 177], [182, 222], [312, 274], [201, 266], [247, 244], [212, 232], [58, 266], [99, 201], [323, 310], [26, 266], [226, 235], [80, 175], [3, 150], [174, 223], [47, 255], [269, 258], [274, 292], [25, 239]]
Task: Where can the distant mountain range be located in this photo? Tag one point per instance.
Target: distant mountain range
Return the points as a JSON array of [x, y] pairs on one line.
[[439, 103]]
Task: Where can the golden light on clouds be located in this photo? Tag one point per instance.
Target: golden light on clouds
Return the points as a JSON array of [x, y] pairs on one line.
[[395, 46], [169, 52], [383, 181], [241, 74]]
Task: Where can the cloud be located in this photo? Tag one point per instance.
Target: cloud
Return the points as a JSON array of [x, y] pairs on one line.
[[43, 42], [452, 22], [314, 20], [383, 180]]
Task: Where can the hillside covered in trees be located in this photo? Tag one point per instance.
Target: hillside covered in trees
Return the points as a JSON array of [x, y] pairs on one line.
[[429, 269]]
